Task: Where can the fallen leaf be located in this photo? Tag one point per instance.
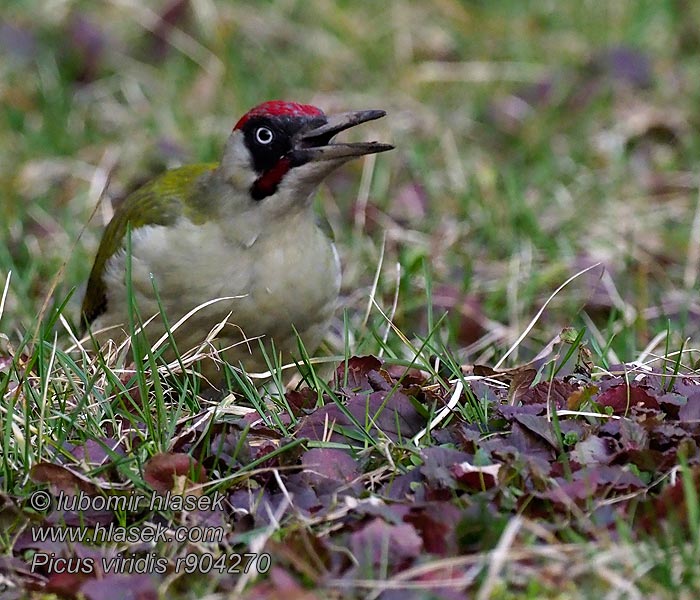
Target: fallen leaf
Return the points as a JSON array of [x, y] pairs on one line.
[[162, 471]]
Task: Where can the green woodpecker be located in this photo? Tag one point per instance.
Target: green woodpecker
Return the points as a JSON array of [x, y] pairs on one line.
[[241, 233]]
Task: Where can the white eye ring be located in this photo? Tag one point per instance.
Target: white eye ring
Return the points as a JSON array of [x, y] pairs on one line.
[[264, 136]]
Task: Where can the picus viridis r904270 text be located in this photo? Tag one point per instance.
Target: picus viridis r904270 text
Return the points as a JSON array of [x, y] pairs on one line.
[[242, 233]]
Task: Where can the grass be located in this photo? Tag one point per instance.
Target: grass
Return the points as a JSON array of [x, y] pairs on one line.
[[524, 154]]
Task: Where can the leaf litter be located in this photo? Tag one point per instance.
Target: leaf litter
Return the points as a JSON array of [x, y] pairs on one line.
[[359, 503]]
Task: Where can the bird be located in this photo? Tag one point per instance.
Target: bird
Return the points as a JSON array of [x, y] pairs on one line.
[[236, 247]]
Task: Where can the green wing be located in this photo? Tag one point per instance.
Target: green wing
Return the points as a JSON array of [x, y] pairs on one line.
[[161, 201]]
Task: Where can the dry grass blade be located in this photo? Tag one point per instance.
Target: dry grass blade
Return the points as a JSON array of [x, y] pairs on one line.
[[534, 320], [98, 186], [5, 289], [499, 558], [444, 412], [692, 263]]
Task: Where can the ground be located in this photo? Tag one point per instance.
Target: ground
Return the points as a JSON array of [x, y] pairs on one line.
[[507, 405]]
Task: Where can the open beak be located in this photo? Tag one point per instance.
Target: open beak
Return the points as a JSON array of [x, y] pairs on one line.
[[315, 144]]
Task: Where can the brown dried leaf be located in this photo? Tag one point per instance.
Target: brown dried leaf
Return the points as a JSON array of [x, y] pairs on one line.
[[622, 398], [163, 471], [62, 478]]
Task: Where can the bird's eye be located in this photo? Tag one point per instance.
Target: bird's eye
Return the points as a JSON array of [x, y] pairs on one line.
[[263, 135]]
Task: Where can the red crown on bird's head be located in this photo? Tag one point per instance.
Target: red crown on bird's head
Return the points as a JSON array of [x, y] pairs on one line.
[[280, 108]]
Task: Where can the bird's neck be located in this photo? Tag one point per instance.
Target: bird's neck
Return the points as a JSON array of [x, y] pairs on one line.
[[246, 220]]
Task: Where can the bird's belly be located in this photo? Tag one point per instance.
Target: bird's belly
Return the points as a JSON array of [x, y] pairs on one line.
[[265, 291]]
